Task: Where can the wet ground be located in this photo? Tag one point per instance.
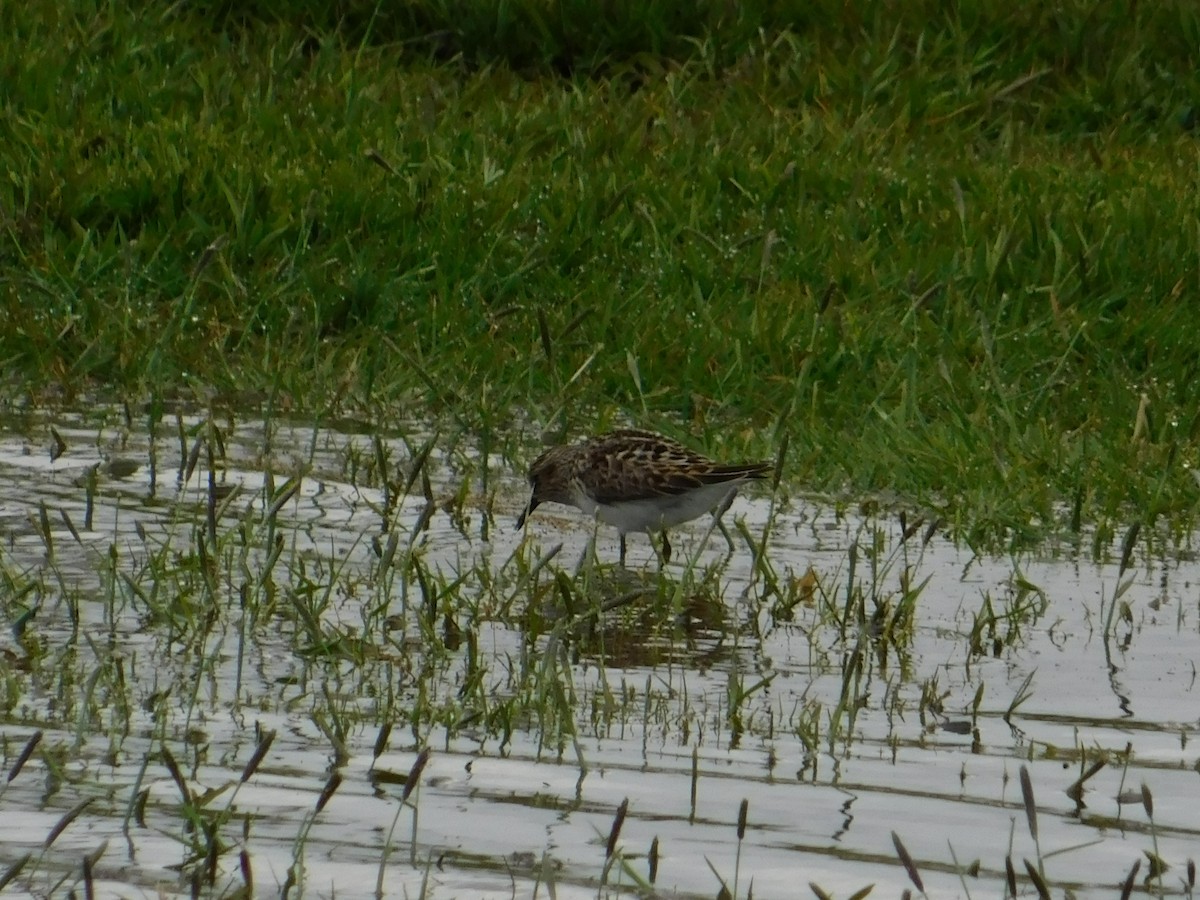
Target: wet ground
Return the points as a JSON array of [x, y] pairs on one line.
[[346, 599]]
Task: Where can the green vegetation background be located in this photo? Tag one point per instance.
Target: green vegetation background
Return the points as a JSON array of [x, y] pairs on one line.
[[951, 250]]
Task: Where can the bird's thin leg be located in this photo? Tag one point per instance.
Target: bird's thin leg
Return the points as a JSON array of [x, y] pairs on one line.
[[720, 511], [622, 549], [725, 504], [728, 537]]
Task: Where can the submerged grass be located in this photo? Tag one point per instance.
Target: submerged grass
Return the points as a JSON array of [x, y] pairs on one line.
[[949, 251], [332, 590]]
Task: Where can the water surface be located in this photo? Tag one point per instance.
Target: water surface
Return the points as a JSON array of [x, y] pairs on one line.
[[178, 596]]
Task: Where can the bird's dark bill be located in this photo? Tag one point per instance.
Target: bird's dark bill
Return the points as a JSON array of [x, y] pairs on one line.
[[533, 504]]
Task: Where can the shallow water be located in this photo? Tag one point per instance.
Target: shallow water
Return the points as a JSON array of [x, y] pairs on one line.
[[192, 616]]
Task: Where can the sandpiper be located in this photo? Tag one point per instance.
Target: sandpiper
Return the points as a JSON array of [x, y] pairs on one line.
[[636, 481]]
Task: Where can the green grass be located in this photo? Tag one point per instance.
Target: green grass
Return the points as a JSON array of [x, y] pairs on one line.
[[951, 252]]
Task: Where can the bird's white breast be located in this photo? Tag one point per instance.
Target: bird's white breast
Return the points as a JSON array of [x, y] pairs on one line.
[[659, 512]]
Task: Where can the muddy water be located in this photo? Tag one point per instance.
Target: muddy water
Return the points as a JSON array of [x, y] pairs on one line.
[[174, 597]]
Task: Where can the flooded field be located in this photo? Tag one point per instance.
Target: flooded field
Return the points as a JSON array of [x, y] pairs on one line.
[[253, 659]]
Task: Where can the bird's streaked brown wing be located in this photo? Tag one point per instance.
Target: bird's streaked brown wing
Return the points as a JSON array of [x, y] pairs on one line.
[[635, 465]]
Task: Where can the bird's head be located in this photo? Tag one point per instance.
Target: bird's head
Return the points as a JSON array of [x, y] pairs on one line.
[[550, 480]]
